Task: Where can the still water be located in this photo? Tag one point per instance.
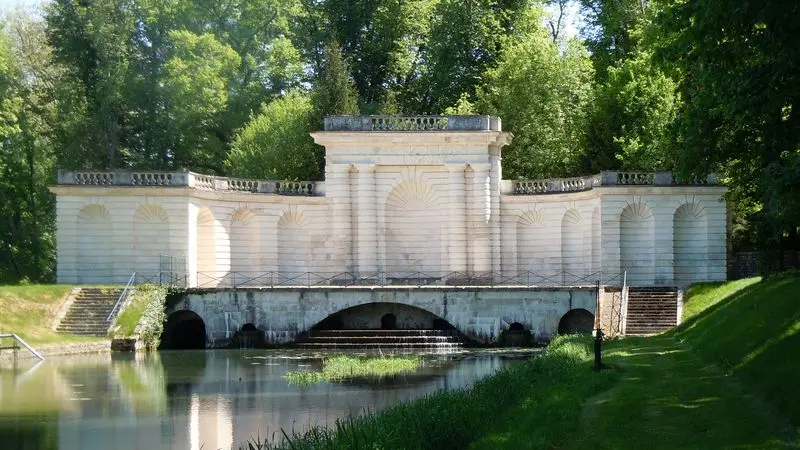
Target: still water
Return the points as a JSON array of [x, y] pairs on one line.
[[192, 400]]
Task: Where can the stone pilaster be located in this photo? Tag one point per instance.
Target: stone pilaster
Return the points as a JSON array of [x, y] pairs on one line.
[[338, 187], [494, 217], [191, 245], [366, 244], [456, 212], [479, 228]]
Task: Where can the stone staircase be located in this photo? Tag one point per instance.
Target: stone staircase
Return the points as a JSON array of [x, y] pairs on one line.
[[88, 313], [651, 310], [365, 339]]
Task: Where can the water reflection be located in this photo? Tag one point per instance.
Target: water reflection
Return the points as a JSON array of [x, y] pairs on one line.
[[211, 400]]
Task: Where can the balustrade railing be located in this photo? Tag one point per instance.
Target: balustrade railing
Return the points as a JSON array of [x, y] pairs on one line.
[[412, 123], [190, 180], [606, 178]]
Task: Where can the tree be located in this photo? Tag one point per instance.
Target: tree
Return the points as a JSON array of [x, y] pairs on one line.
[[630, 122], [276, 144], [335, 92], [614, 31], [543, 96], [27, 227], [466, 40], [196, 81], [741, 84]]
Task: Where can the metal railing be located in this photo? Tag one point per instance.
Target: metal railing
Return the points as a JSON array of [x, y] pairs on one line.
[[23, 343], [236, 279], [123, 299], [624, 307]]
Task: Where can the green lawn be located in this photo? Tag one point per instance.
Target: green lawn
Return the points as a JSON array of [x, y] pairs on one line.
[[29, 311], [727, 378]]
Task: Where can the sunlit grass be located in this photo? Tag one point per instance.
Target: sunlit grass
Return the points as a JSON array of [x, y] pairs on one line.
[[30, 310], [701, 296], [340, 368]]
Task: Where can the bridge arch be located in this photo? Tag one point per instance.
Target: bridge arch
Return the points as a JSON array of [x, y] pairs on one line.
[[383, 315], [183, 330]]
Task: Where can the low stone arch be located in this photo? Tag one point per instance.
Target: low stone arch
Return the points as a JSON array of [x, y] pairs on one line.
[[151, 240], [576, 321], [516, 335], [374, 315], [637, 243], [94, 253], [184, 330], [690, 243]]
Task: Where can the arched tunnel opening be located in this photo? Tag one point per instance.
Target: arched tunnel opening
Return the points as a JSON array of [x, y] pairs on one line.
[[576, 321], [183, 330], [383, 316], [373, 325], [516, 336]]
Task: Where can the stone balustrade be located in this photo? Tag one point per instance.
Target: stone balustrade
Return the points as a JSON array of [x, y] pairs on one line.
[[606, 178], [412, 123], [189, 180]]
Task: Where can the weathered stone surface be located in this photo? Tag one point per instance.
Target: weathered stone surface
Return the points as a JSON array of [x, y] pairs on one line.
[[480, 313]]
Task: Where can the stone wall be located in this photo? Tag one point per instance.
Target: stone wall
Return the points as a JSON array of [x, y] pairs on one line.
[[421, 203], [482, 314]]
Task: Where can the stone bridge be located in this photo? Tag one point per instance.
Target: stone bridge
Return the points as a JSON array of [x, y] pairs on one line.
[[284, 314]]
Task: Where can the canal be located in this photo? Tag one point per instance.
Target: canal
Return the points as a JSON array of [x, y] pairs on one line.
[[201, 399]]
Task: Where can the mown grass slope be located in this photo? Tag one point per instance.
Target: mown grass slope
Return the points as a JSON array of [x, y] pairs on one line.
[[29, 310], [754, 334]]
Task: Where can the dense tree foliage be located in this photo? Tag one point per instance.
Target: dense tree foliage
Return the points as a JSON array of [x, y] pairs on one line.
[[740, 77], [276, 144], [235, 86], [27, 225], [542, 91]]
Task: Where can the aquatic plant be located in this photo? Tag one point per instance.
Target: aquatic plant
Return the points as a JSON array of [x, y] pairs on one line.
[[343, 367]]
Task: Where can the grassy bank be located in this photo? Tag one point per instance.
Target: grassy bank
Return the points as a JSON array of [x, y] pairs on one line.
[[347, 367], [726, 378], [30, 310], [144, 315]]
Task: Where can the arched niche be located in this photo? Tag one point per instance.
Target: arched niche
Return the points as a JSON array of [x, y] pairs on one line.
[[414, 230], [151, 240], [294, 252], [530, 230], [207, 248], [690, 243], [95, 243], [245, 241], [637, 243], [572, 251]]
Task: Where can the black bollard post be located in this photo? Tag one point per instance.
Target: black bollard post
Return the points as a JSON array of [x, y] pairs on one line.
[[598, 342]]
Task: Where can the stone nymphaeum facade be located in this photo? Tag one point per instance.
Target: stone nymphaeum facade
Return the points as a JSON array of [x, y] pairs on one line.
[[405, 200]]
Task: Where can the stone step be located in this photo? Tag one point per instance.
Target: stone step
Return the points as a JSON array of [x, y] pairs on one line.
[[383, 340], [383, 332], [376, 345]]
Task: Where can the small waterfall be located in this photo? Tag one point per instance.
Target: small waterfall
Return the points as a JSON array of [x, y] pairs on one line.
[[365, 339]]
